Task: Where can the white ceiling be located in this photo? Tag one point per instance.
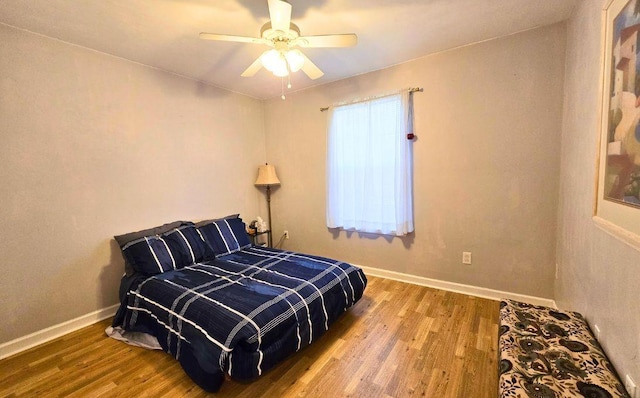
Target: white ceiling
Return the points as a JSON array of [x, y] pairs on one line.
[[164, 33]]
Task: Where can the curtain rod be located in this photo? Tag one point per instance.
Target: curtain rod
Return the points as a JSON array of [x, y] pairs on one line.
[[411, 90]]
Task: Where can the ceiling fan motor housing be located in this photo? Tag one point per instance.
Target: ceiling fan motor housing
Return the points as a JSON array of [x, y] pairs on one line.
[[268, 33]]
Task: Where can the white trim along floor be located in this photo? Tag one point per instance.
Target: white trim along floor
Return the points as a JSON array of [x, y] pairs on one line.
[[24, 343]]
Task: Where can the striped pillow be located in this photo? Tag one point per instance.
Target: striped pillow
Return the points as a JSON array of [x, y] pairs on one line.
[[225, 236], [130, 237], [149, 255], [187, 246]]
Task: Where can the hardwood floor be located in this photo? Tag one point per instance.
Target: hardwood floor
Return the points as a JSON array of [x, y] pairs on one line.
[[399, 340]]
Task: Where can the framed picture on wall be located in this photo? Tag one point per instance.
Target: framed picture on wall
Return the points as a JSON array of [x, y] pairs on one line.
[[618, 194]]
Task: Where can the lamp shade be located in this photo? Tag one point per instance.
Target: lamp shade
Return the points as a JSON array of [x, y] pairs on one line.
[[267, 176]]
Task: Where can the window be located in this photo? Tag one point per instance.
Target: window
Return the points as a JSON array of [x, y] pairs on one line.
[[369, 166]]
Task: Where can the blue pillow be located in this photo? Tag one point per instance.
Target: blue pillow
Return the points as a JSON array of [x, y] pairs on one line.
[[187, 246], [225, 236], [149, 255], [130, 237]]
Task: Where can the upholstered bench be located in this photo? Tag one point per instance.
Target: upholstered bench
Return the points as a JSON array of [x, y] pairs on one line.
[[549, 353]]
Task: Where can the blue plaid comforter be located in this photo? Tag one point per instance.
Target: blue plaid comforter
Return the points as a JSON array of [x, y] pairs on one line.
[[242, 313]]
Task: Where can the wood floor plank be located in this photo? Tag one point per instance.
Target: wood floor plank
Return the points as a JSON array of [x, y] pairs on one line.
[[399, 340]]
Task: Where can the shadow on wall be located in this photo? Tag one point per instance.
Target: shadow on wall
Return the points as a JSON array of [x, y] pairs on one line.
[[407, 240], [111, 275]]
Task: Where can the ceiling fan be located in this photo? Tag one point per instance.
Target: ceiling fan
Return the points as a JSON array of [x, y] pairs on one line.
[[283, 36]]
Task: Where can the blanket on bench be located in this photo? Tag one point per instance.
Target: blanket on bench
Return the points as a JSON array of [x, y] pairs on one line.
[[549, 353]]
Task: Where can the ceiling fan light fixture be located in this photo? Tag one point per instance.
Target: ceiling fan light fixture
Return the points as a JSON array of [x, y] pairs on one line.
[[275, 62], [295, 59], [270, 59], [281, 71], [281, 62]]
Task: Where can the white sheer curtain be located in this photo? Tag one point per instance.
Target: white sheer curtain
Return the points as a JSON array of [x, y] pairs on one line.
[[369, 166]]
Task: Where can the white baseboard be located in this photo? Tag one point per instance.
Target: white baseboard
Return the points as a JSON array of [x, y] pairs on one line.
[[42, 336], [457, 287]]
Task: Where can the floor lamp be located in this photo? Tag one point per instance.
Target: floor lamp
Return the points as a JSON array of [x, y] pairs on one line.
[[267, 177]]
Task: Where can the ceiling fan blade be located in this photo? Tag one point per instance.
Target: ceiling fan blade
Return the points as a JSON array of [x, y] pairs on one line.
[[343, 40], [253, 68], [310, 69], [241, 39], [280, 14]]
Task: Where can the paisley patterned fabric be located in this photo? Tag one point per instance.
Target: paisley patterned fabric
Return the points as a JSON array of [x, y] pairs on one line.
[[546, 353]]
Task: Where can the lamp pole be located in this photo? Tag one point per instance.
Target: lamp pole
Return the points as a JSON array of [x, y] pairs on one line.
[[269, 211]]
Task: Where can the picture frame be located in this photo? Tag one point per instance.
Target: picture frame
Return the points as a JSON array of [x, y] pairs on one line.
[[617, 207]]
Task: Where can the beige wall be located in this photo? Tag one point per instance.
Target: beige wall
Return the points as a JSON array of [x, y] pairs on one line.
[[91, 146], [486, 164], [598, 274]]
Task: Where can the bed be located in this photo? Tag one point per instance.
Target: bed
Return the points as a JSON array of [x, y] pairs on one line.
[[221, 305]]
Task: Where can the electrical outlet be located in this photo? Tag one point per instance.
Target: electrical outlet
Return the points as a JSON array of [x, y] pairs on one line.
[[286, 234], [596, 332], [466, 257], [630, 386]]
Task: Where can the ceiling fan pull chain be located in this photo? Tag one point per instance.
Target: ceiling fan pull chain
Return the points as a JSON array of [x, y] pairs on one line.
[[282, 88], [286, 61]]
